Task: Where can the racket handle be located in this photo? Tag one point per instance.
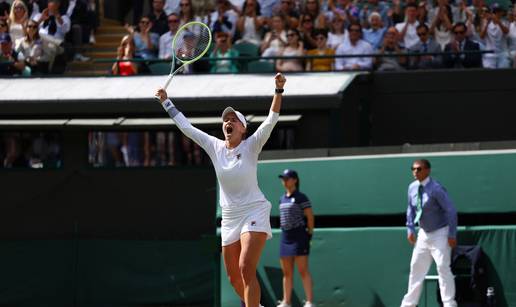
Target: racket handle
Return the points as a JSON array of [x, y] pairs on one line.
[[169, 79]]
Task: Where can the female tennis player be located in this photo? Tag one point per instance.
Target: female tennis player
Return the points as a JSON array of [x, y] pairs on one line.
[[297, 226], [245, 211]]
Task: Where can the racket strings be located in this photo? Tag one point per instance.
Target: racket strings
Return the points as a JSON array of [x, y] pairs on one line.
[[192, 41]]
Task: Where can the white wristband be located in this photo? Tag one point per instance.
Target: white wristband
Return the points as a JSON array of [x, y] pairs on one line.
[[167, 104]]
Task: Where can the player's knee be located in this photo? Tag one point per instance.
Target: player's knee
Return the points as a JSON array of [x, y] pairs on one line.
[[248, 272], [304, 272]]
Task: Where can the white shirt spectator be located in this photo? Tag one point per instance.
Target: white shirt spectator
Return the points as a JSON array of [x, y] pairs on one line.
[[512, 38], [165, 45], [410, 38], [334, 40], [495, 39], [61, 30], [232, 17], [347, 48]]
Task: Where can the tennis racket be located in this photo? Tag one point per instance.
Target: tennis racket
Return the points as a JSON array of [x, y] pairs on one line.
[[190, 43]]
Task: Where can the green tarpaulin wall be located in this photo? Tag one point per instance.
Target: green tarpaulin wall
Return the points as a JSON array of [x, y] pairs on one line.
[[478, 182], [369, 267], [107, 273]]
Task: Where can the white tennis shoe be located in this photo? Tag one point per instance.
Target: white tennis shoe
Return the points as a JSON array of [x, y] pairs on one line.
[[308, 304], [283, 304]]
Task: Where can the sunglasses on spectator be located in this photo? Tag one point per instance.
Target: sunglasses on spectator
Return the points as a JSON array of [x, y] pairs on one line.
[[32, 26], [417, 169], [19, 8], [422, 33], [173, 20], [459, 32], [354, 30], [320, 37], [144, 22]]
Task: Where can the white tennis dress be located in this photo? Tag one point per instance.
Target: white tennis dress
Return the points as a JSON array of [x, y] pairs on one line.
[[244, 207]]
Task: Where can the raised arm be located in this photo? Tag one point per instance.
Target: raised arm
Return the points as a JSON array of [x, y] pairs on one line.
[[206, 141], [262, 134]]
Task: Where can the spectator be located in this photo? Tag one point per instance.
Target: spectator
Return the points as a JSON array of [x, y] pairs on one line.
[[307, 32], [83, 17], [354, 46], [276, 38], [224, 18], [146, 42], [313, 9], [171, 6], [391, 46], [458, 44], [397, 14], [425, 45], [186, 12], [158, 17], [165, 41], [17, 18], [267, 7], [287, 8], [294, 47], [14, 153], [250, 23], [422, 13], [407, 30], [442, 26], [372, 6], [125, 51], [11, 62], [494, 33], [374, 35], [31, 48], [445, 5], [512, 37], [476, 6], [338, 33], [53, 28], [323, 64], [223, 50]]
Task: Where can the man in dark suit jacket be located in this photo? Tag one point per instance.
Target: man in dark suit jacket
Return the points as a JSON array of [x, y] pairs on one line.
[[425, 45], [462, 43]]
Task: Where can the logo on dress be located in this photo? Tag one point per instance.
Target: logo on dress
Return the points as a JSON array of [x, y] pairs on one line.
[[238, 156], [253, 223]]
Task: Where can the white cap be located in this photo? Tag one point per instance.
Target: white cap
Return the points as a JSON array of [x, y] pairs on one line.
[[239, 115]]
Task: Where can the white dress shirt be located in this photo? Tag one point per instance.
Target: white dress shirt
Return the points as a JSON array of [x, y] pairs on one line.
[[361, 47]]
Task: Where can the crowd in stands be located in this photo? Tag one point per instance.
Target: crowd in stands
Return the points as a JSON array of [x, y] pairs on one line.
[[403, 34], [41, 36], [30, 150]]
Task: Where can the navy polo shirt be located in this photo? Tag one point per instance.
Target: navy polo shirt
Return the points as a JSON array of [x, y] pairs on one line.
[[291, 210]]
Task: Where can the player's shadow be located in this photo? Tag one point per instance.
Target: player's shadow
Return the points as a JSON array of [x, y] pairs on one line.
[[275, 277]]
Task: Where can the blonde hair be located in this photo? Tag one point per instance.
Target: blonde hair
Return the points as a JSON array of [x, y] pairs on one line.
[[11, 14]]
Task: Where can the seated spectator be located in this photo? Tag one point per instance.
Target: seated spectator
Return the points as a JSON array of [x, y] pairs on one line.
[[31, 48], [223, 49], [422, 13], [461, 43], [11, 62], [323, 64], [294, 47], [287, 8], [125, 51], [512, 38], [338, 33], [146, 43], [494, 33], [224, 18], [250, 23], [165, 41], [442, 26], [391, 46], [276, 38], [306, 30], [17, 19], [374, 35], [407, 30], [355, 45], [186, 12], [425, 45], [158, 17], [313, 9], [53, 28]]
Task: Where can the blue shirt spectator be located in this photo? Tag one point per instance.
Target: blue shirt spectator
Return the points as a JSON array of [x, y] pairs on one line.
[[438, 209], [374, 35]]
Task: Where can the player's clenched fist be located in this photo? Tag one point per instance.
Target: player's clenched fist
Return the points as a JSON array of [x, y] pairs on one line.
[[280, 80], [161, 94]]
